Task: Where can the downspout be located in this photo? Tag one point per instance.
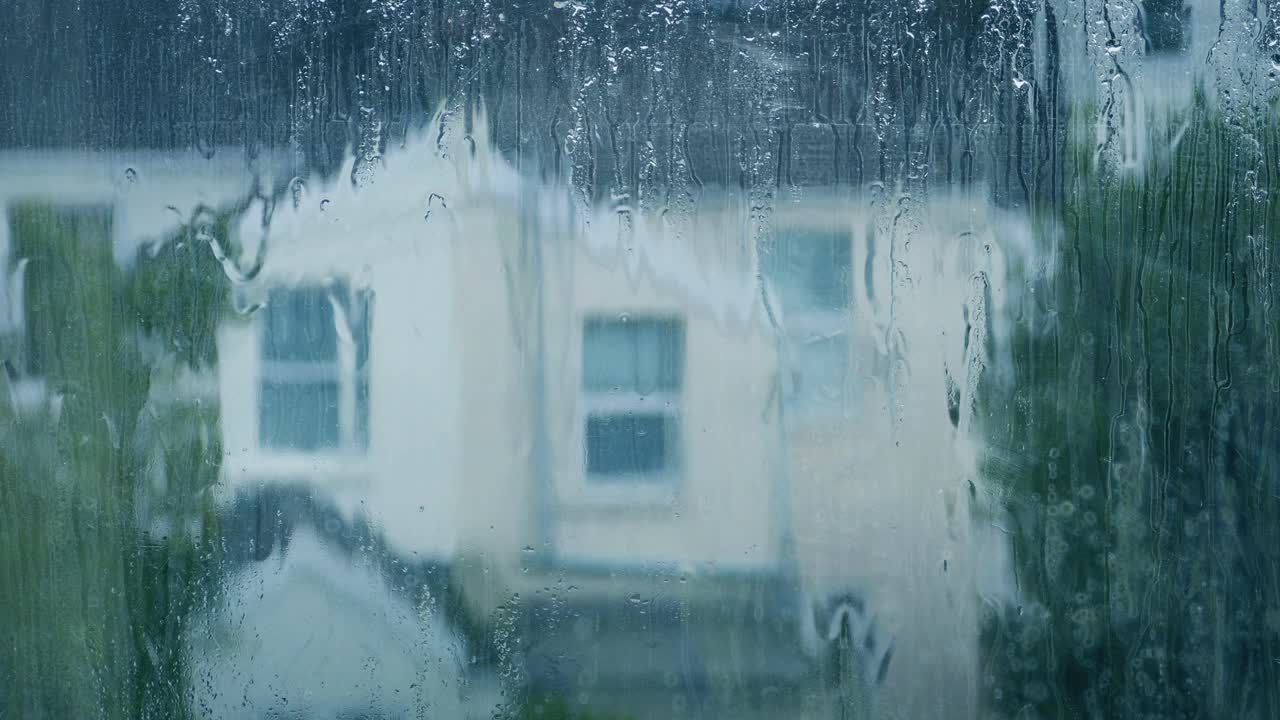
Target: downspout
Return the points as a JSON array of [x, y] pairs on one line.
[[781, 487], [532, 238]]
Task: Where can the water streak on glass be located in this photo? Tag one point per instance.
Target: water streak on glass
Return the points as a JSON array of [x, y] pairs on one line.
[[631, 359]]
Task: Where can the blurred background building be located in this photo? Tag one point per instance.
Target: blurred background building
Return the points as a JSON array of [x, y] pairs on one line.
[[623, 359]]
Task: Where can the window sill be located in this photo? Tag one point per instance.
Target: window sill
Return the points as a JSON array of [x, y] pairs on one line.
[[319, 466], [645, 492]]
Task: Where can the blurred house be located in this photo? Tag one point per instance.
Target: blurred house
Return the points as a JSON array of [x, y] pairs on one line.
[[669, 459], [661, 463], [440, 353]]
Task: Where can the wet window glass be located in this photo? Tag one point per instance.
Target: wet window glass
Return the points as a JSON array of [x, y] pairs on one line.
[[639, 359], [1167, 25]]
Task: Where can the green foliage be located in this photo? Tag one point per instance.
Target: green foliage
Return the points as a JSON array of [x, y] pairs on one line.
[[186, 320], [108, 455], [1137, 459]]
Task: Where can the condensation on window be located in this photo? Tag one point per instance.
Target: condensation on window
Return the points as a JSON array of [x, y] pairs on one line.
[[617, 360]]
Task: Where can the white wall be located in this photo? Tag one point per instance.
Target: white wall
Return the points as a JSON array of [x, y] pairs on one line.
[[719, 511], [409, 478]]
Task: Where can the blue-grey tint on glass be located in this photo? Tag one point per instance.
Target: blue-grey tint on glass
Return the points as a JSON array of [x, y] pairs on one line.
[[642, 355], [811, 269]]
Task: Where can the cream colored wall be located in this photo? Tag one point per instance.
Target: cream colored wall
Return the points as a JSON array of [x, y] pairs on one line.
[[720, 511], [498, 495], [881, 498], [876, 501], [883, 518], [409, 481]]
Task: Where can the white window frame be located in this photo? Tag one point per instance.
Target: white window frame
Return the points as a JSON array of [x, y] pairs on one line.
[[342, 370], [806, 326], [657, 487]]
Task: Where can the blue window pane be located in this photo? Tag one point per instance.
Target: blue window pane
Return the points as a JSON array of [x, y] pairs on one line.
[[641, 355], [299, 416], [626, 444], [811, 269], [299, 326]]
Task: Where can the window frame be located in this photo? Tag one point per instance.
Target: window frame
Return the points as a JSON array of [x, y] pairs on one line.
[[657, 486], [344, 370], [808, 325]]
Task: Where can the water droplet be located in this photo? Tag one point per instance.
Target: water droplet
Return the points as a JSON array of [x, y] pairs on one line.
[[324, 205], [432, 200], [297, 189], [130, 175]]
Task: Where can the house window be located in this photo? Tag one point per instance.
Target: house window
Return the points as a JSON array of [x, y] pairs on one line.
[[1166, 26], [314, 392], [632, 374], [811, 271]]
